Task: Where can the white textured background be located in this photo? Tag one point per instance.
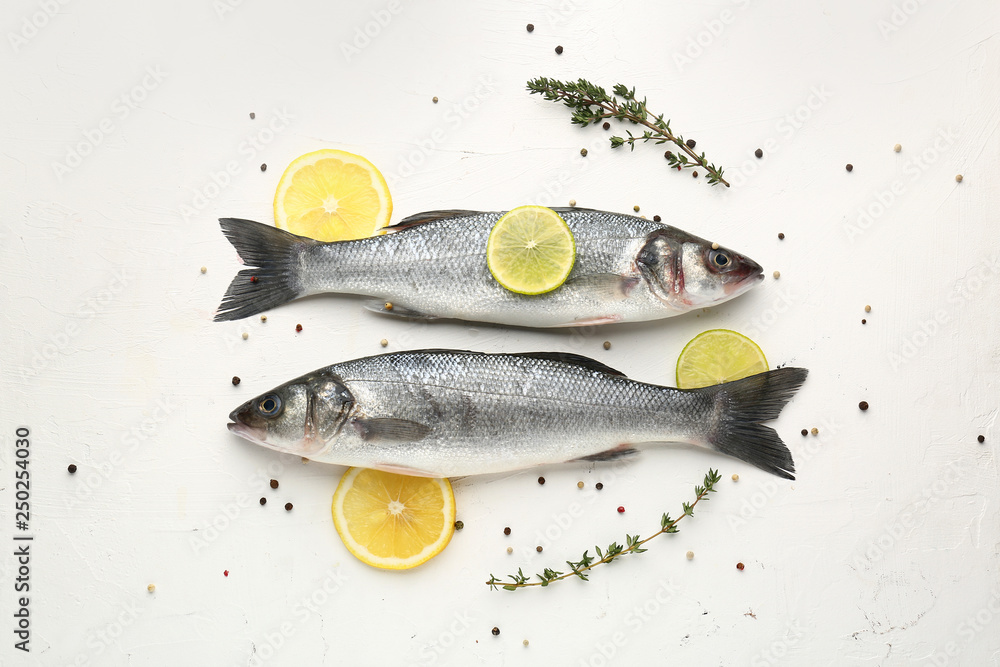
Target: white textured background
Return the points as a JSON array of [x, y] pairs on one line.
[[885, 551]]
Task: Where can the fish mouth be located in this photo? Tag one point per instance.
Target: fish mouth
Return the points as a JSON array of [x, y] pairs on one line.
[[244, 431]]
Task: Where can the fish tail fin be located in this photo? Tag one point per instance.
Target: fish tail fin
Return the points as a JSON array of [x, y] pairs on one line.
[[741, 406], [273, 253]]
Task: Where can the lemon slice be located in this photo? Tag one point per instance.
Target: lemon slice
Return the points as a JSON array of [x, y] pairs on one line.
[[391, 521], [716, 356], [332, 195], [531, 250]]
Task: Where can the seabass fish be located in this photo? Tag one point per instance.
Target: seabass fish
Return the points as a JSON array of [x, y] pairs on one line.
[[444, 413], [433, 265]]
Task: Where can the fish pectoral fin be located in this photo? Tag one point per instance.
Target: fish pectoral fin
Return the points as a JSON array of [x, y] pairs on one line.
[[605, 286], [390, 429], [613, 454], [379, 306]]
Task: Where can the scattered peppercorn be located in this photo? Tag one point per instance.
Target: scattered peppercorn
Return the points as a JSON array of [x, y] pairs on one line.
[[621, 509], [864, 321], [981, 440], [510, 550], [694, 174], [599, 486], [559, 49], [958, 178], [72, 466], [434, 99], [225, 573], [496, 631], [274, 483], [253, 279], [863, 405], [607, 125], [541, 480], [384, 342], [781, 236], [506, 530], [288, 507], [252, 115], [715, 246], [579, 485], [805, 432], [263, 500], [758, 153], [572, 202], [525, 642], [151, 588], [814, 431], [263, 166], [868, 309], [388, 305], [897, 148], [739, 566], [636, 208], [204, 269], [245, 335], [583, 152], [539, 548], [656, 218], [777, 274], [236, 380], [690, 143], [459, 525], [530, 27], [298, 327], [850, 167], [736, 477], [607, 345], [690, 555], [669, 155], [263, 318]]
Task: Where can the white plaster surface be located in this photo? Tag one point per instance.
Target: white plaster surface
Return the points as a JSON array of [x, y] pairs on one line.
[[884, 551]]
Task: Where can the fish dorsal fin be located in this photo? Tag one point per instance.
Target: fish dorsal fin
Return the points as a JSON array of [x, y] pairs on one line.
[[570, 358], [565, 357], [425, 217], [574, 209]]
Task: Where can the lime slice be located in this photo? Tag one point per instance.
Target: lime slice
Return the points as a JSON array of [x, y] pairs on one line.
[[531, 250], [716, 356]]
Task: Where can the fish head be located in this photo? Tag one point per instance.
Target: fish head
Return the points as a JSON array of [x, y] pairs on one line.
[[300, 417], [689, 272]]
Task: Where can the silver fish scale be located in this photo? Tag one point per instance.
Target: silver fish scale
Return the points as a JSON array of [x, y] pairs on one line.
[[500, 412], [439, 269]]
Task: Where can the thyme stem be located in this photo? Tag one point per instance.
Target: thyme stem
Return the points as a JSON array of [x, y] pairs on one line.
[[591, 104], [633, 545]]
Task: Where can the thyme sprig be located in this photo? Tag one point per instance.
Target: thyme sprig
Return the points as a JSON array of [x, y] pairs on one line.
[[614, 551], [592, 104]]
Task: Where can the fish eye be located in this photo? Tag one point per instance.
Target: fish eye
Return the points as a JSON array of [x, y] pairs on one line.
[[269, 406], [720, 259]]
